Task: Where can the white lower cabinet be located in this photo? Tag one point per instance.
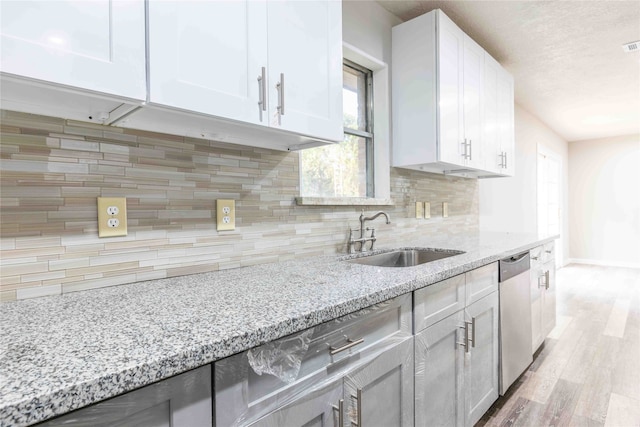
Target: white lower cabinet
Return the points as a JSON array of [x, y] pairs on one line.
[[456, 379], [380, 393], [439, 373], [456, 357], [481, 386], [356, 368], [543, 294], [180, 401]]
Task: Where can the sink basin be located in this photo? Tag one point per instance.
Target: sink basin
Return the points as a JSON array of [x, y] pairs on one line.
[[405, 257]]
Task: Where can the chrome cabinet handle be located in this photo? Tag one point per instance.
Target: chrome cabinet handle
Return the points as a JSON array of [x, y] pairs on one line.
[[340, 409], [473, 332], [470, 151], [350, 343], [464, 145], [505, 160], [358, 398], [263, 90], [546, 279], [280, 87], [464, 342]]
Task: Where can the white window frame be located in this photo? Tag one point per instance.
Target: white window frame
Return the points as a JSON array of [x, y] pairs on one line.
[[381, 132]]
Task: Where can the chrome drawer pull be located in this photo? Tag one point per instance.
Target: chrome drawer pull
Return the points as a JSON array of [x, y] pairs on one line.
[[350, 343]]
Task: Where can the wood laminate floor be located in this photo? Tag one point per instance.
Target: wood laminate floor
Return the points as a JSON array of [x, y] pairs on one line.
[[588, 371]]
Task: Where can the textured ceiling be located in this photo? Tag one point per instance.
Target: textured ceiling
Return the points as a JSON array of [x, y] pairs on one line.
[[566, 57]]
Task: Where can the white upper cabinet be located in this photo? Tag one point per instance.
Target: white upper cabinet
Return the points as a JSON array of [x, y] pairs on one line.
[[505, 114], [450, 79], [305, 67], [491, 153], [498, 130], [277, 64], [207, 56], [91, 45], [439, 99], [472, 89]]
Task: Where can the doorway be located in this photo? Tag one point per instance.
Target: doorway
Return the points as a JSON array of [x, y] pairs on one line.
[[549, 185]]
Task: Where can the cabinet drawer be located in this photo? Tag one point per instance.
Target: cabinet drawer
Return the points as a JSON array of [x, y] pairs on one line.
[[535, 256], [481, 282], [322, 353], [435, 302]]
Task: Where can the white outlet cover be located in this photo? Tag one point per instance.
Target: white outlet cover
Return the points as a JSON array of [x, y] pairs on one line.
[[113, 222], [113, 210]]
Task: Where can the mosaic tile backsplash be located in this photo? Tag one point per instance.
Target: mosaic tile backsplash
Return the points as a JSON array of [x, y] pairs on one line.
[[52, 170]]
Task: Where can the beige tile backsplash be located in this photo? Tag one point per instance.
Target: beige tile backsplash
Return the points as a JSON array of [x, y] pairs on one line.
[[52, 170]]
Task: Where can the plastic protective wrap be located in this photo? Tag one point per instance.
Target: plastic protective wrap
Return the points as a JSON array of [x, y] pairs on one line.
[[439, 364], [181, 401], [281, 358], [335, 349], [313, 406], [382, 389]]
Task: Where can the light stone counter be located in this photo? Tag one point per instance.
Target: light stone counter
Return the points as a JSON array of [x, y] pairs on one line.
[[61, 353]]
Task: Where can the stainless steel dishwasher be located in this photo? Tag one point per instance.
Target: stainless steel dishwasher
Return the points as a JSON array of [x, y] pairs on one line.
[[515, 319]]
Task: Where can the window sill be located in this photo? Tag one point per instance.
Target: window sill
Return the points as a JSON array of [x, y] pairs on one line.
[[342, 201]]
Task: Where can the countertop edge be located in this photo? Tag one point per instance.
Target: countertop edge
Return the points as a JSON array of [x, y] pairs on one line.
[[84, 394]]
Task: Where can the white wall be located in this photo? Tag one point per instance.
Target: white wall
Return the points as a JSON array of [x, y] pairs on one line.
[[604, 203], [366, 33], [510, 204], [367, 25]]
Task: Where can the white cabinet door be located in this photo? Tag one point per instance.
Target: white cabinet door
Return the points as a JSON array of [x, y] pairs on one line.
[[549, 299], [439, 373], [206, 56], [506, 134], [473, 83], [305, 67], [481, 370], [537, 278], [451, 96], [491, 153], [95, 45], [381, 392]]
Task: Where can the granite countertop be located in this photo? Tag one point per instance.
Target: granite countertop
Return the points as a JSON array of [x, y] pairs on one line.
[[64, 352]]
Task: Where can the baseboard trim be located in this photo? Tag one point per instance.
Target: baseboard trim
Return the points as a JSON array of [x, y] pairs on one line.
[[603, 263]]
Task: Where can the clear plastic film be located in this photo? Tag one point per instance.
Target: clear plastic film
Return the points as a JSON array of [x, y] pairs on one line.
[[335, 350], [183, 400], [439, 365], [281, 358], [380, 392]]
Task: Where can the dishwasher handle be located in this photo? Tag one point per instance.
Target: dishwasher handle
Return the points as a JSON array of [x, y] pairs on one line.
[[514, 265]]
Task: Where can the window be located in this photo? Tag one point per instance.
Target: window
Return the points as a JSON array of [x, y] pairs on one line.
[[345, 169]]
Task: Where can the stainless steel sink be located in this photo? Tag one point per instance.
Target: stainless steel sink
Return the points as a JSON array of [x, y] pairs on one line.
[[405, 257]]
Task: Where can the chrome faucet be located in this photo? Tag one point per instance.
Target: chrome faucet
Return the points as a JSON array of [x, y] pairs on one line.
[[363, 238]]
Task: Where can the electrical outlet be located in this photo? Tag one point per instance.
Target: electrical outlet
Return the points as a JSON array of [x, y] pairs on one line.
[[445, 209], [419, 210], [225, 214], [427, 210], [112, 216]]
